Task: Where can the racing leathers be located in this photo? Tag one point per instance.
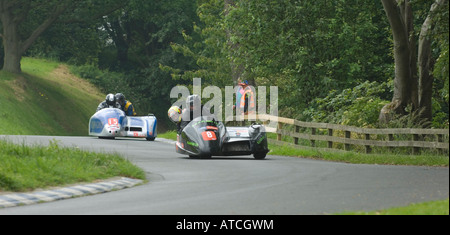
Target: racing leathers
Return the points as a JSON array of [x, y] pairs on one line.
[[128, 108], [104, 105], [187, 116]]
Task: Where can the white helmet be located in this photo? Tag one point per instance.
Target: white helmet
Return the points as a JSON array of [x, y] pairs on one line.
[[174, 114]]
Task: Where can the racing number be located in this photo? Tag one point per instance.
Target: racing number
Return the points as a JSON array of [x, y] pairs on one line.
[[113, 121], [209, 135]]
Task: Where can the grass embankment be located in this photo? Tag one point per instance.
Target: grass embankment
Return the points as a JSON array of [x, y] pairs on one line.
[[24, 168], [46, 99]]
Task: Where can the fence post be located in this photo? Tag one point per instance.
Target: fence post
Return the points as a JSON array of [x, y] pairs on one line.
[[297, 129], [391, 138], [416, 150], [279, 126], [330, 143], [368, 148], [440, 139], [313, 142], [347, 146]]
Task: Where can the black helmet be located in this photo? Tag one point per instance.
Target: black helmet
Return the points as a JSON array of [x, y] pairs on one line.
[[191, 100], [110, 100], [120, 98]]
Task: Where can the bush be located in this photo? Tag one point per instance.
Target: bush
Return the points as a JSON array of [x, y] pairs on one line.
[[359, 106]]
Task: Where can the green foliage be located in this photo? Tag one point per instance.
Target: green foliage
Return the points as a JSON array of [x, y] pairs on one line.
[[139, 43], [76, 44], [206, 47], [358, 106], [441, 69], [314, 51], [308, 48]]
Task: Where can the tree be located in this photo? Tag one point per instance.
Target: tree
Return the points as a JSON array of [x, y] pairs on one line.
[[18, 19], [208, 47], [408, 91], [309, 48]]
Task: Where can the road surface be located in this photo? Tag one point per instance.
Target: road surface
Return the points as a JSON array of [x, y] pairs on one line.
[[241, 185]]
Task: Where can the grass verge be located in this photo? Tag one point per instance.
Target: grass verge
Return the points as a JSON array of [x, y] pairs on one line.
[[361, 158], [425, 208], [25, 168], [171, 135]]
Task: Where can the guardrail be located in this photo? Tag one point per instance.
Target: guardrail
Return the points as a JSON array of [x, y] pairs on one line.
[[344, 137]]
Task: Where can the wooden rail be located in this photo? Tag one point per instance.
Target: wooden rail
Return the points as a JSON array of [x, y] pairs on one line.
[[348, 136]]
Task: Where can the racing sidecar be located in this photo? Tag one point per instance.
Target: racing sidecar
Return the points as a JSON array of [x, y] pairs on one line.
[[111, 122], [204, 137]]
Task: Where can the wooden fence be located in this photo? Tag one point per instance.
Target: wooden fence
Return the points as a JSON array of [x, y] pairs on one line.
[[292, 131]]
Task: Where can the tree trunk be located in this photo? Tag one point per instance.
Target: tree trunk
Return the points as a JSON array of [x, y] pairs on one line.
[[11, 15], [11, 43], [405, 81], [12, 58], [412, 87], [426, 65]]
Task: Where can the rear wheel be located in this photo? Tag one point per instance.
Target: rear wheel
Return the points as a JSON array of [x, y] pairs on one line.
[[150, 138], [259, 155], [205, 157]]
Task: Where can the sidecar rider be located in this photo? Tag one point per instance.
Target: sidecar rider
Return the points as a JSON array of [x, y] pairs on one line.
[[193, 110], [125, 105], [110, 102]]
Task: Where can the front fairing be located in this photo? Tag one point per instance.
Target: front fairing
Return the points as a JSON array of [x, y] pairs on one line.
[[203, 136], [107, 122]]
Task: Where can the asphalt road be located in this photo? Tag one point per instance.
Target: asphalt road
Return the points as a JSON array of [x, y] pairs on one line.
[[242, 185]]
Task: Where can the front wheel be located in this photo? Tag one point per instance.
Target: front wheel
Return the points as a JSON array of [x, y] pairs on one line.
[[200, 156], [259, 156], [107, 138]]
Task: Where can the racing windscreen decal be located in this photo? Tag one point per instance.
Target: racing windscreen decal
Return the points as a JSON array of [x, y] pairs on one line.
[[209, 135], [211, 128]]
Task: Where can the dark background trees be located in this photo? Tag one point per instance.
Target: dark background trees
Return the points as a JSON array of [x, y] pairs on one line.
[[332, 60], [23, 22]]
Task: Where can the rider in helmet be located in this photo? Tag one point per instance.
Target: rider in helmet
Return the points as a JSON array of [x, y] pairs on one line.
[[110, 102], [192, 110], [174, 114], [125, 105]]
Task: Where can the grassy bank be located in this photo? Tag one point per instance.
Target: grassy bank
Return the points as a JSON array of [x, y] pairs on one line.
[[25, 168], [46, 99], [426, 208]]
